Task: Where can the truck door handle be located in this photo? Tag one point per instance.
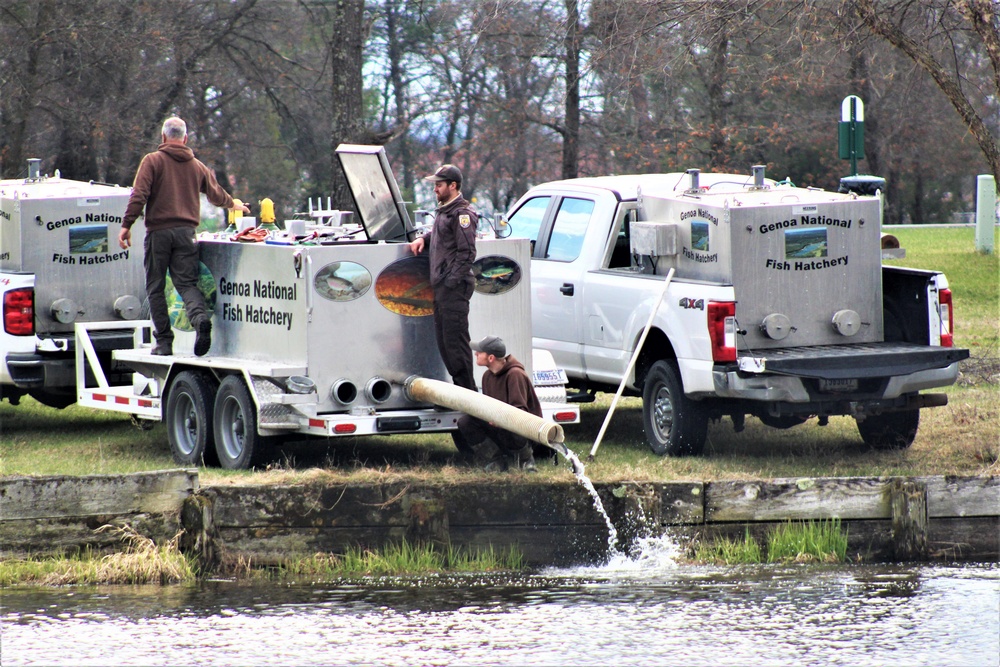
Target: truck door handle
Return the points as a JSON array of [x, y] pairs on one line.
[[567, 289]]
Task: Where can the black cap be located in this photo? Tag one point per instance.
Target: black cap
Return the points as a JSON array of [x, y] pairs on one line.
[[446, 172], [490, 345]]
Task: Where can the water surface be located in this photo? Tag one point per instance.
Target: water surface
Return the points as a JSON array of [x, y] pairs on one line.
[[640, 611]]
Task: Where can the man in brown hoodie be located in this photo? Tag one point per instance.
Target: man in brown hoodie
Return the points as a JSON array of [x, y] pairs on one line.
[[167, 185], [505, 380]]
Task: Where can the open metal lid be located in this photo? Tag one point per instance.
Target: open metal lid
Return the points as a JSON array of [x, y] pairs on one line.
[[376, 195]]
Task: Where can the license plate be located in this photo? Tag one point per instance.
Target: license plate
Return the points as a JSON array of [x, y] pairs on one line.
[[838, 385], [547, 378]]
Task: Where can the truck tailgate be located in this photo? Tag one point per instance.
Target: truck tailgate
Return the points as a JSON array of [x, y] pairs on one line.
[[863, 360]]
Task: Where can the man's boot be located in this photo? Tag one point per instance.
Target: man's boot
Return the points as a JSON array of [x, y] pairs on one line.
[[526, 459], [203, 338], [163, 348], [489, 456]]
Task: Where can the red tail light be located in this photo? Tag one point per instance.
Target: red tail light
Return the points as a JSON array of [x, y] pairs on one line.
[[722, 330], [947, 318], [19, 312]]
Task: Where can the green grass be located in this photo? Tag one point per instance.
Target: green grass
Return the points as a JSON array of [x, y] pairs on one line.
[[402, 559], [727, 551], [139, 562], [143, 562], [807, 541], [790, 542]]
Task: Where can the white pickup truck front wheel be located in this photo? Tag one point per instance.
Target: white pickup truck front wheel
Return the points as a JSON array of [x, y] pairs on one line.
[[674, 424]]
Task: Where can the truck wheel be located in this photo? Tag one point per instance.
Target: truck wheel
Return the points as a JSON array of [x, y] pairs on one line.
[[237, 442], [674, 424], [892, 430], [188, 416], [54, 400]]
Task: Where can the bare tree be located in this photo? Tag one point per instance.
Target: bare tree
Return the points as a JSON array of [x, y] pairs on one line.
[[916, 27]]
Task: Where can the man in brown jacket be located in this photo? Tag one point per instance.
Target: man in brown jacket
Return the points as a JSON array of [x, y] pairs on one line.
[[167, 185], [505, 380]]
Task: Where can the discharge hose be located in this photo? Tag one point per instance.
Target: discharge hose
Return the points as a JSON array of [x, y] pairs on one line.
[[488, 409]]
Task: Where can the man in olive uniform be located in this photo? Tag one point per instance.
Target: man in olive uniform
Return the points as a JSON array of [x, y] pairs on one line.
[[452, 247]]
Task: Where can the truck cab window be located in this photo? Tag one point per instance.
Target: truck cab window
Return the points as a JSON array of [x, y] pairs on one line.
[[526, 221], [621, 250], [569, 228]]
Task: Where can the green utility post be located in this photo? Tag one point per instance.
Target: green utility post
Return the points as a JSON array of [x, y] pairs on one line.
[[851, 131]]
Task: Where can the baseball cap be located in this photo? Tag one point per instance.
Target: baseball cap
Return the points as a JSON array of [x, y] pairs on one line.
[[490, 345], [446, 172]]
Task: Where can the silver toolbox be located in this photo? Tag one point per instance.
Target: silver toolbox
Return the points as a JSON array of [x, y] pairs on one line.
[[66, 233]]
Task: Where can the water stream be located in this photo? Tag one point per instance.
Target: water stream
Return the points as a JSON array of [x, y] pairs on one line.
[[581, 477]]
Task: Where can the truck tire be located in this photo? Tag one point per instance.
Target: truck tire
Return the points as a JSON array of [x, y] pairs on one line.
[[188, 417], [59, 401], [675, 425], [891, 430], [237, 443]]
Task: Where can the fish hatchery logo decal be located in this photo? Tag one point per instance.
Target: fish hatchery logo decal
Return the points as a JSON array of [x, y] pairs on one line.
[[175, 304], [342, 281], [496, 274], [404, 287]]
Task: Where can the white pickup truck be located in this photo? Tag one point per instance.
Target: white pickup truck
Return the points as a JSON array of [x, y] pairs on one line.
[[60, 266], [770, 300]]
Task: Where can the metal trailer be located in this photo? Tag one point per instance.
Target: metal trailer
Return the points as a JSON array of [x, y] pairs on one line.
[[317, 335], [60, 265]]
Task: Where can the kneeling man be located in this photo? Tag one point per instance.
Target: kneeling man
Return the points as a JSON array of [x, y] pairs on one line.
[[505, 380]]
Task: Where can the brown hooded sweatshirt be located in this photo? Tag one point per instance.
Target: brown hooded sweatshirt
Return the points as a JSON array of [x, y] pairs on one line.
[[512, 385], [167, 184]]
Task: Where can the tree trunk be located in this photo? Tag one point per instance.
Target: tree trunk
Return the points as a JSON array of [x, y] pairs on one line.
[[571, 136], [346, 42]]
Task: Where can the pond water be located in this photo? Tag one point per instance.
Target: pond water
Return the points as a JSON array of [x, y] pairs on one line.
[[632, 611]]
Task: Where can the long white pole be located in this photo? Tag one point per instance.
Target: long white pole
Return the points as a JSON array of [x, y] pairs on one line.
[[631, 364]]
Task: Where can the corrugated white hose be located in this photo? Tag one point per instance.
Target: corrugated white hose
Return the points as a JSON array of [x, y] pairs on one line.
[[488, 409]]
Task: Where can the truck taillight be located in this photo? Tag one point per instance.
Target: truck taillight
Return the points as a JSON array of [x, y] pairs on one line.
[[947, 318], [19, 312], [722, 330]]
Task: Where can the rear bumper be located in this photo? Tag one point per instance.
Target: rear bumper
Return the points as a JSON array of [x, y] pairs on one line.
[[876, 371], [56, 370]]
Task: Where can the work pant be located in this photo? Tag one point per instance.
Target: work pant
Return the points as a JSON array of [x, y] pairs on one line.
[[475, 431], [451, 329], [175, 249]]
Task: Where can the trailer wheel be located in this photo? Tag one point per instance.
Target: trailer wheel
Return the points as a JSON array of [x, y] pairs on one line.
[[674, 424], [891, 430], [237, 442], [188, 416]]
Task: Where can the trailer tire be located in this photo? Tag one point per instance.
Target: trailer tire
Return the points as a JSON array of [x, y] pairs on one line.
[[890, 430], [188, 417], [237, 443], [675, 425]]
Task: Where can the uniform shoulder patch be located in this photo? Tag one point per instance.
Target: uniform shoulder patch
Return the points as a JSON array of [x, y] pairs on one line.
[[464, 220]]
